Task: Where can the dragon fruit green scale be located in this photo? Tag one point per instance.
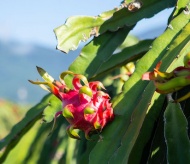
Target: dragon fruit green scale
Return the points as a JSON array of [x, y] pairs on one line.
[[85, 106]]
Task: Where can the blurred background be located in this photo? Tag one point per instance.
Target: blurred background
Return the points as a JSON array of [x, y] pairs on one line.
[[27, 40]]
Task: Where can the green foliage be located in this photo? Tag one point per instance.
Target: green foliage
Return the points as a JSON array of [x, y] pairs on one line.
[[138, 133], [80, 28], [119, 59], [53, 107], [97, 52], [177, 139]]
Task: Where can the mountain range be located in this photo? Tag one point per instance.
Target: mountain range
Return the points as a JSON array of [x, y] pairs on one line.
[[18, 63]]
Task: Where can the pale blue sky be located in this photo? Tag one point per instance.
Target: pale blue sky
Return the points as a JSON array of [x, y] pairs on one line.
[[33, 21]]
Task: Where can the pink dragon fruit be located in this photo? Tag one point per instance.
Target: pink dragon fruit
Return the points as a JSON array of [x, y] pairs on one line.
[[85, 106]]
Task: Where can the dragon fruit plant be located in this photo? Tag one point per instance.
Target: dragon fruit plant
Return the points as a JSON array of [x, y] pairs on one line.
[[149, 105], [85, 107]]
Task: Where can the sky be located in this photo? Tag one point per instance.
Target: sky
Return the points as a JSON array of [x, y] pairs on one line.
[[33, 21]]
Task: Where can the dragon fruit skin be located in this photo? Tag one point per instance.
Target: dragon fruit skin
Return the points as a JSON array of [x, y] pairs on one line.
[[85, 106]]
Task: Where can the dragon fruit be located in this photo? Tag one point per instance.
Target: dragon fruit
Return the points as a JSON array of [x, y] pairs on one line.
[[85, 106]]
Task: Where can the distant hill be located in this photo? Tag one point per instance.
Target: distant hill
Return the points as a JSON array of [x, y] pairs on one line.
[[18, 64]]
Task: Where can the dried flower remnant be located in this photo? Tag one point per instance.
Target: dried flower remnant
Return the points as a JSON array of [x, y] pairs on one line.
[[134, 6], [86, 106]]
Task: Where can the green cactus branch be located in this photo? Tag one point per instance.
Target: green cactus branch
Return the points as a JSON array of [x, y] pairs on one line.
[[123, 17], [97, 52], [157, 149], [81, 28], [134, 87], [180, 6], [177, 140], [177, 62], [139, 152], [127, 55]]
